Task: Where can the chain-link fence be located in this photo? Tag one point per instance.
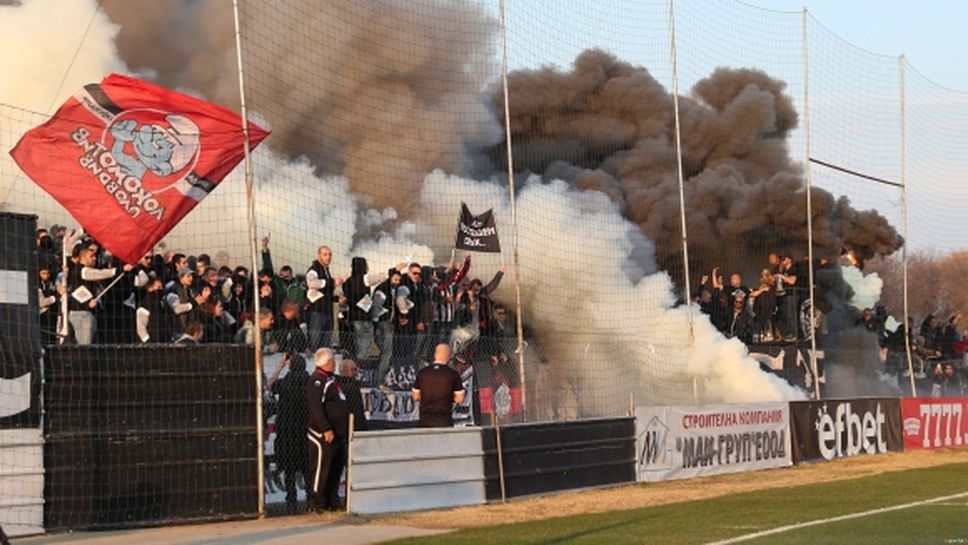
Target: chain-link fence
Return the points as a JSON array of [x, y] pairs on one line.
[[707, 202]]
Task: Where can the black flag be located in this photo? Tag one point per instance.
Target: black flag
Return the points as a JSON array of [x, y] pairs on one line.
[[477, 233]]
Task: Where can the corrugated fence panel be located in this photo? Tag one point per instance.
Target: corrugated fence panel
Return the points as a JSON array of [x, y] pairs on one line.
[[22, 481], [548, 457], [404, 470]]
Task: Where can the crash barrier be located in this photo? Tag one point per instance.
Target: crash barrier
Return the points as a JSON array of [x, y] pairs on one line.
[[557, 456], [410, 469], [21, 440], [146, 435]]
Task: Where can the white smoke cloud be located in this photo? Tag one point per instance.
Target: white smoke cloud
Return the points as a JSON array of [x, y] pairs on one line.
[[867, 287], [605, 317], [40, 39]]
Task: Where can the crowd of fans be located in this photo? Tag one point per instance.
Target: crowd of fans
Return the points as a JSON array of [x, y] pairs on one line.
[[172, 297], [939, 349], [777, 310], [770, 311]]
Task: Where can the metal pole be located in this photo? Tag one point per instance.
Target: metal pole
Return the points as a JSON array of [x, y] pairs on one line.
[[682, 190], [349, 462], [500, 454], [809, 176], [253, 250], [64, 331], [516, 263], [902, 60]]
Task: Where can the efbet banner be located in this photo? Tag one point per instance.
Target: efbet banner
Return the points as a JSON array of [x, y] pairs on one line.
[[129, 159], [824, 430], [935, 423], [477, 233], [686, 442]]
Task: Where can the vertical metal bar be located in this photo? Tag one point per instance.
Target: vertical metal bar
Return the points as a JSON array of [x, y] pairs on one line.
[[682, 191], [500, 454], [516, 263], [253, 250], [902, 61], [809, 176], [64, 327], [349, 463]]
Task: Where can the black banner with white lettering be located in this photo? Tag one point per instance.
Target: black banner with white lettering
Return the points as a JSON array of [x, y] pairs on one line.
[[477, 233], [824, 430], [20, 348]]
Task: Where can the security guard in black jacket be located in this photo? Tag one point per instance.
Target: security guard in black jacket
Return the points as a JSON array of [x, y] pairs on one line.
[[329, 422]]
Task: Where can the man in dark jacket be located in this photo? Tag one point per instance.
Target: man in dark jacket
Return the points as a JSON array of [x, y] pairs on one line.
[[327, 434], [291, 421]]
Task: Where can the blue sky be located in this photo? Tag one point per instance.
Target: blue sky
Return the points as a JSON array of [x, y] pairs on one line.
[[932, 33]]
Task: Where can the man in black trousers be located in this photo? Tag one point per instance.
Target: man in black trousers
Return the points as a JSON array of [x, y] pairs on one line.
[[329, 421]]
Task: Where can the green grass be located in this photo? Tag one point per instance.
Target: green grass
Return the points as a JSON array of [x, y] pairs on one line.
[[716, 519]]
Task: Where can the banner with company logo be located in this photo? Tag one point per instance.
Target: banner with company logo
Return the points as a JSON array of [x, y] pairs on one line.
[[824, 430], [935, 423], [684, 442], [129, 159]]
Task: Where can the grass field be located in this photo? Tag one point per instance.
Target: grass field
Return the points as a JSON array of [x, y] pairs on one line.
[[717, 519]]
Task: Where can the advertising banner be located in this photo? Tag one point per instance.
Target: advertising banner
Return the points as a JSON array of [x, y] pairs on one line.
[[824, 430], [934, 423], [684, 442]]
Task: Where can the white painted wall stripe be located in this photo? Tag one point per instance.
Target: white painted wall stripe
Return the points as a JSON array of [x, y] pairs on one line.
[[14, 395], [819, 522], [13, 287]]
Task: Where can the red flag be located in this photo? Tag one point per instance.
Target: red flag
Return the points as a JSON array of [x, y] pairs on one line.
[[129, 159]]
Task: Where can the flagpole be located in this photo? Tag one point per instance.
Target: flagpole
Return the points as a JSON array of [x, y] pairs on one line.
[[253, 250], [65, 328], [111, 285], [516, 262]]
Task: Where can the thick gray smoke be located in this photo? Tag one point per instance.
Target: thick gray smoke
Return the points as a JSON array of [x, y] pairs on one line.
[[388, 92], [378, 94], [609, 125]]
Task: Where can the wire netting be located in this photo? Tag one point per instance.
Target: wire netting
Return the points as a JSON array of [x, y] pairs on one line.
[[387, 116]]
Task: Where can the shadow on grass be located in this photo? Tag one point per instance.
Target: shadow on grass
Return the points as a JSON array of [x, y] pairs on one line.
[[585, 533]]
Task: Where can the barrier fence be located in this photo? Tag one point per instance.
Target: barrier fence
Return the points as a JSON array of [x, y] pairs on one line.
[[633, 170]]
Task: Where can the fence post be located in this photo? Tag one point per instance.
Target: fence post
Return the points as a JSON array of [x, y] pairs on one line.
[[809, 177], [682, 190], [250, 199], [500, 454], [902, 60]]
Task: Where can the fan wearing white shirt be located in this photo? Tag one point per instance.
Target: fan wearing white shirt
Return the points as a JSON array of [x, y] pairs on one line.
[[320, 286], [83, 288]]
